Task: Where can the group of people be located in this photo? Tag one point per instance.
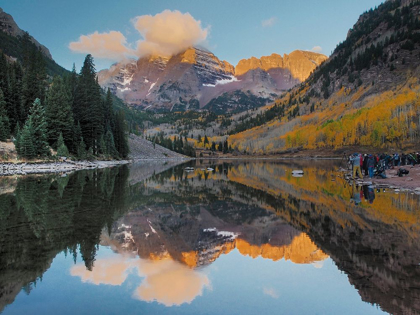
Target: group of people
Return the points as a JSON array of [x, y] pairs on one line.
[[375, 165]]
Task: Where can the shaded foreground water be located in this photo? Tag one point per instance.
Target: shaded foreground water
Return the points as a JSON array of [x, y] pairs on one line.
[[245, 238]]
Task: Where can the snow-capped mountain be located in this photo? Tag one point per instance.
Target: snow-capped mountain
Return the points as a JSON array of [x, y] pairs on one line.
[[196, 77]]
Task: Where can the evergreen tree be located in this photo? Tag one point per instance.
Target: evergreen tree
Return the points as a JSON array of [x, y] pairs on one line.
[[206, 140], [81, 150], [59, 113], [61, 147], [4, 119], [87, 104], [38, 128], [34, 79], [17, 138], [26, 145], [110, 145], [120, 137]]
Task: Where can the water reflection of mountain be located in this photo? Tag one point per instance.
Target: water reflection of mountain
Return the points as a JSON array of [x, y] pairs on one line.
[[376, 244], [174, 220]]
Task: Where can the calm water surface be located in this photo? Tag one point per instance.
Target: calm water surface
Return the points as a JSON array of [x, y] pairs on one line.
[[239, 238]]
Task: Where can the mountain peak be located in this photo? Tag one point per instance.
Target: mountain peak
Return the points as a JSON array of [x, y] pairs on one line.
[[300, 63]]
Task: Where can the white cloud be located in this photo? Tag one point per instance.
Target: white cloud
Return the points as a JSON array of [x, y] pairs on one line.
[[165, 34], [271, 292], [316, 49], [168, 33], [112, 45], [269, 22]]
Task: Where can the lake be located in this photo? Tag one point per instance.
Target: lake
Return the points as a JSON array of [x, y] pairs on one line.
[[207, 237]]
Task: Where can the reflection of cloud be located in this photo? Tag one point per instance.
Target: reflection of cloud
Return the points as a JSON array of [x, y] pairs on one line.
[[318, 264], [269, 22], [165, 281], [111, 271], [271, 292], [170, 283]]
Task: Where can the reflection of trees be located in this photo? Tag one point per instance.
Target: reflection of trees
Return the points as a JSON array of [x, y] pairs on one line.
[[377, 244], [50, 214]]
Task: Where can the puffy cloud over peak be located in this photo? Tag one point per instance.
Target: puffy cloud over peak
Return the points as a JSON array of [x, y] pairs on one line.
[[316, 49], [112, 45], [168, 33], [164, 34]]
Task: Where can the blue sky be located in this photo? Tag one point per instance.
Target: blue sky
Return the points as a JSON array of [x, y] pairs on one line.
[[237, 29]]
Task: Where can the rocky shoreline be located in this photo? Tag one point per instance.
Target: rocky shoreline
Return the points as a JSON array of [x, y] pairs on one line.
[[408, 183], [7, 169]]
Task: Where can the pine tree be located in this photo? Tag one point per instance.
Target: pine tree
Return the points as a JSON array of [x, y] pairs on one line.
[[120, 137], [59, 113], [206, 140], [110, 145], [38, 124], [26, 145], [4, 119], [88, 104], [61, 147], [81, 150], [18, 134]]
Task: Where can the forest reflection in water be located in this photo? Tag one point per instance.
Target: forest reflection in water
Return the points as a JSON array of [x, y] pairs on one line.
[[164, 224]]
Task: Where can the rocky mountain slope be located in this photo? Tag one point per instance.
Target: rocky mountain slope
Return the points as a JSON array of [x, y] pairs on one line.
[[9, 26], [14, 42], [144, 149], [366, 94], [196, 78]]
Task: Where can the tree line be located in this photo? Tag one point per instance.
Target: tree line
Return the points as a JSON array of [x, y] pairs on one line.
[[69, 113]]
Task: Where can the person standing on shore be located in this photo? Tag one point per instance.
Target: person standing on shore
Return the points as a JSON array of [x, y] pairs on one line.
[[365, 166], [371, 165], [357, 160]]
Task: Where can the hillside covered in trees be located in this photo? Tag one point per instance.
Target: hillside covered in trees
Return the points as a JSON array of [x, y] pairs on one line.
[[366, 94], [68, 113]]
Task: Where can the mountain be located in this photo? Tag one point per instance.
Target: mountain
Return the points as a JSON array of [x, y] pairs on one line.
[[14, 42], [196, 78], [365, 94]]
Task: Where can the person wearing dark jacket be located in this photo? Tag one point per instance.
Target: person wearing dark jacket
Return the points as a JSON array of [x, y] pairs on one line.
[[365, 167], [370, 165]]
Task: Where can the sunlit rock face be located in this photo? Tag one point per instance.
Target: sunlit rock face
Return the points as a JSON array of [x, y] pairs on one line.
[[197, 242], [301, 251], [160, 83], [286, 71], [195, 77]]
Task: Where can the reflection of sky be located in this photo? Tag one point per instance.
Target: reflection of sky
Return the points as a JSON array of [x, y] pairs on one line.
[[239, 285]]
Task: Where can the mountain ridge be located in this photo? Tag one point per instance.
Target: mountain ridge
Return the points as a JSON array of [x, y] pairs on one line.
[[365, 94], [195, 77]]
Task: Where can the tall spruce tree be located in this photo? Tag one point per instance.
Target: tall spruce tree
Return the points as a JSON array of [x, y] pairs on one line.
[[34, 81], [4, 119], [88, 106], [25, 141], [59, 113], [61, 147], [38, 127]]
